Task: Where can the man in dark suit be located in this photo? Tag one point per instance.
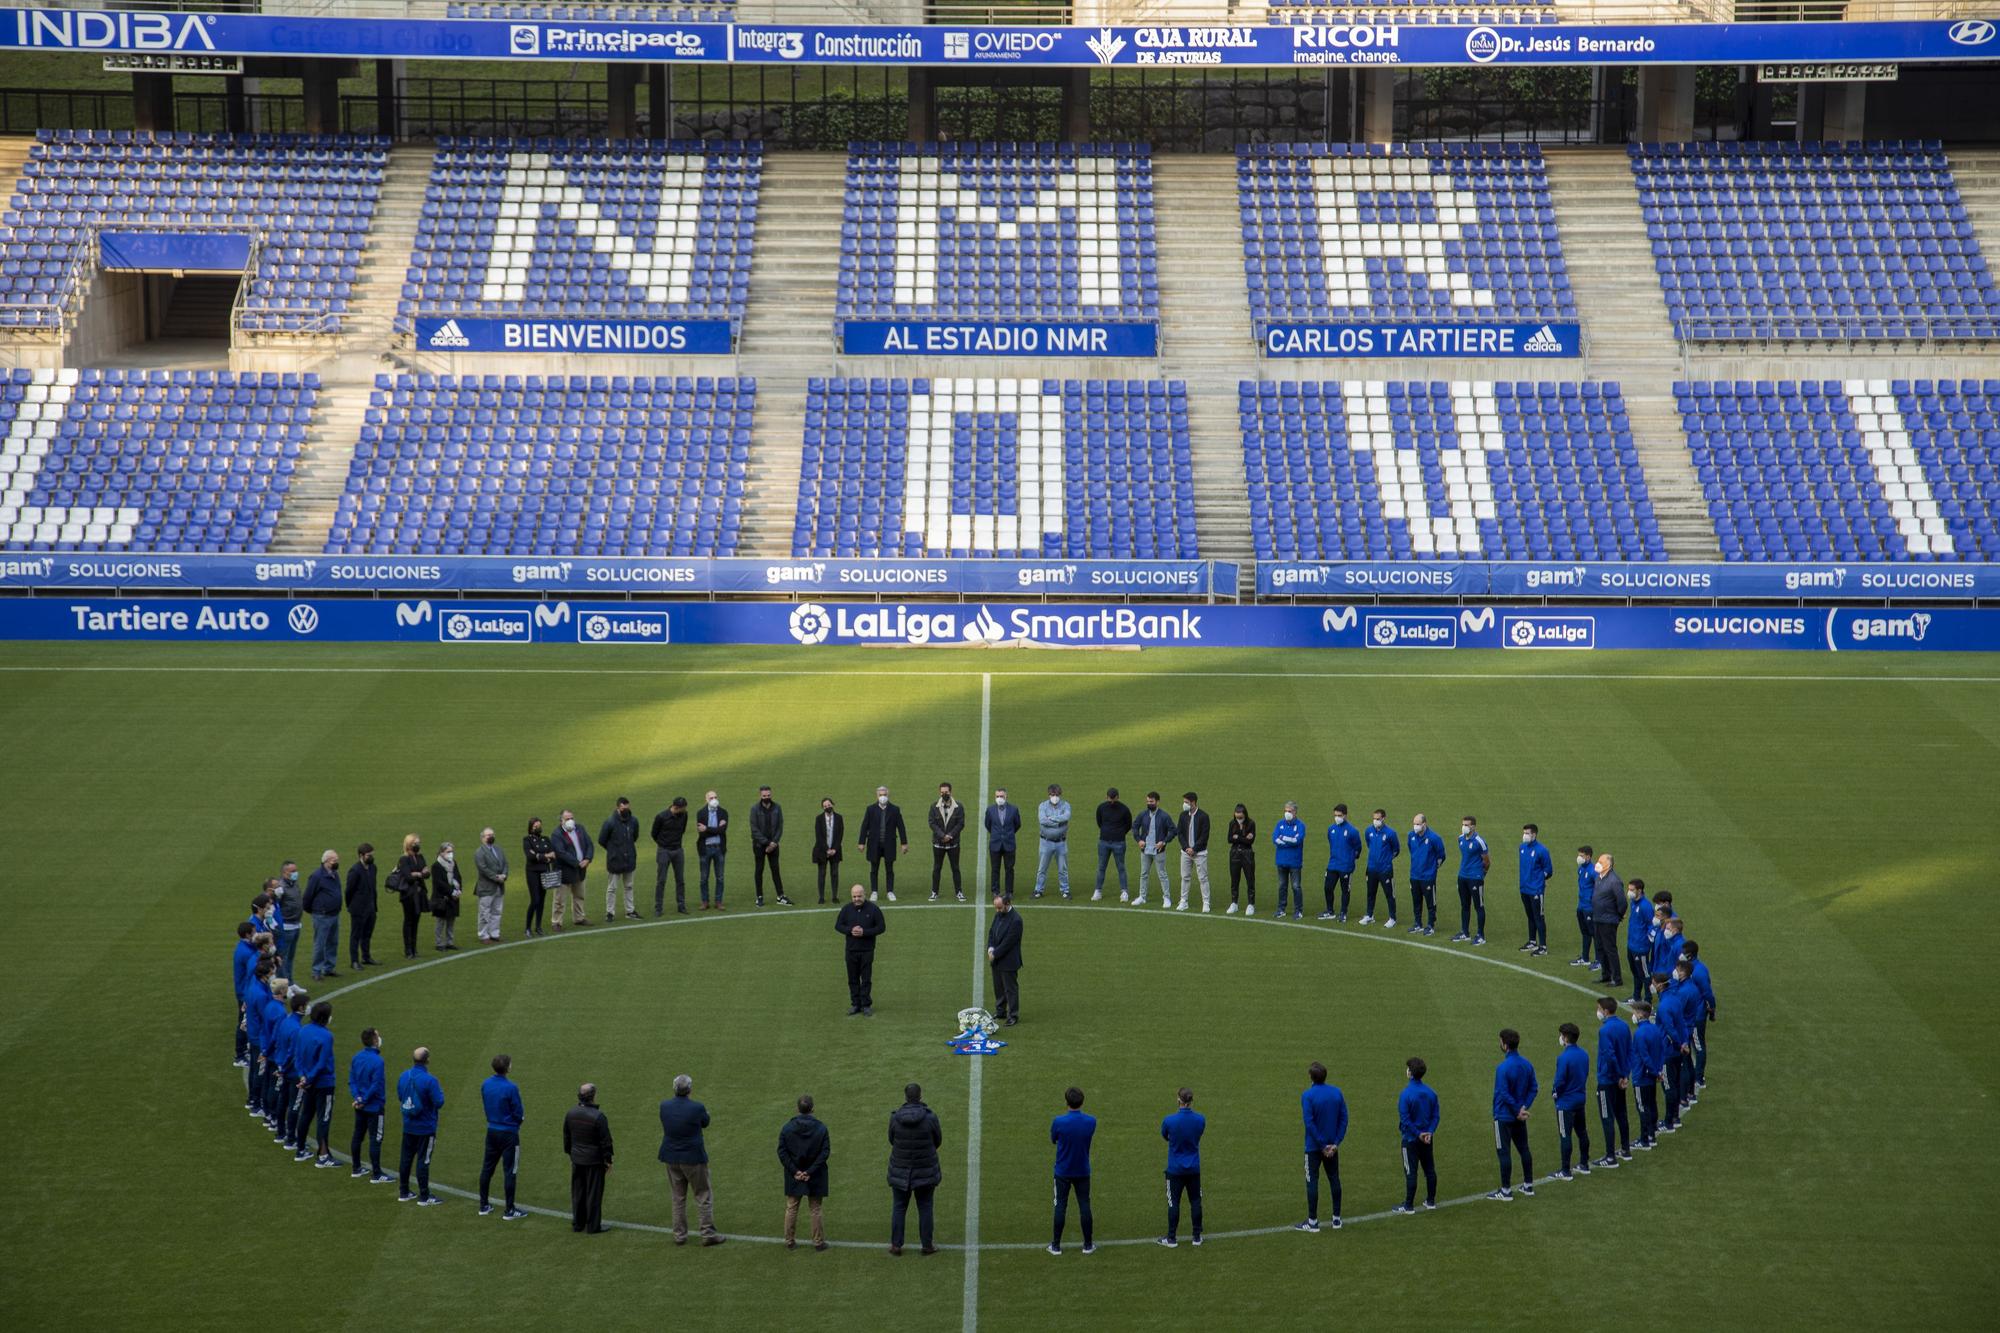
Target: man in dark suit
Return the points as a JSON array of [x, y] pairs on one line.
[[1003, 829], [711, 845], [1003, 950], [1607, 909], [859, 923], [574, 851], [804, 1146], [682, 1119], [361, 902], [829, 835], [618, 839], [587, 1140], [883, 838], [947, 820], [767, 829], [669, 827]]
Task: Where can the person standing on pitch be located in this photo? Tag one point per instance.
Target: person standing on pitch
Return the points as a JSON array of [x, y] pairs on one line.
[[367, 1089], [1241, 834], [1343, 851], [1288, 854], [711, 845], [1153, 830], [914, 1170], [829, 836], [447, 887], [322, 903], [242, 963], [574, 852], [1071, 1132], [1417, 1120], [1586, 896], [804, 1145], [1678, 1003], [1003, 830], [539, 857], [1003, 951], [504, 1114], [361, 900], [1698, 974], [1614, 1075], [1649, 1058], [859, 923], [670, 828], [489, 890], [1191, 832], [1383, 848], [587, 1143], [1474, 859], [1426, 850], [1572, 1078], [767, 827], [1052, 821], [1607, 909], [1536, 867], [315, 1061], [421, 1097], [1114, 825], [947, 823], [1514, 1089], [1638, 936], [618, 839], [883, 839], [1325, 1113], [1182, 1130], [685, 1153], [289, 900]]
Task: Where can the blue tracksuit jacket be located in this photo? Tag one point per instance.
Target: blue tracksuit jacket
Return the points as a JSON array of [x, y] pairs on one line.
[[1416, 1110], [1514, 1086], [1325, 1113], [1426, 854], [312, 1056], [1182, 1131], [1288, 836], [1472, 857], [1586, 884], [1343, 848], [1649, 1050], [1572, 1079], [1614, 1052], [503, 1104], [1536, 867], [1383, 847], [421, 1097], [367, 1079]]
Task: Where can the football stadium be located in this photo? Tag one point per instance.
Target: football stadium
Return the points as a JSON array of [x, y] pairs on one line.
[[881, 660]]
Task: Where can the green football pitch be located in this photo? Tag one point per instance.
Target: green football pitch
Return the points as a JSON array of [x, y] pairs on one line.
[[1824, 823]]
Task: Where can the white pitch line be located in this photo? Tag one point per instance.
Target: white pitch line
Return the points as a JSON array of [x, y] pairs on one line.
[[969, 1318]]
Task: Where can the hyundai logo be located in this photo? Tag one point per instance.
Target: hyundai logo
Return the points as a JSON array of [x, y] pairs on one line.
[[1972, 32]]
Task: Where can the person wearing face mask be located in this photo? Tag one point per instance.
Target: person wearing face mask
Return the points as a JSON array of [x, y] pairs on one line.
[[1288, 843], [1241, 834], [1343, 852], [1003, 827], [1474, 859], [1383, 847], [1586, 891], [1638, 935], [408, 882], [574, 852], [1052, 818], [361, 907], [288, 901], [1536, 868], [539, 854], [1426, 850], [669, 828], [883, 839], [829, 835], [711, 845], [1191, 833], [489, 891], [1114, 824], [1607, 909], [859, 923], [1153, 830], [618, 839], [322, 904], [947, 822], [447, 884], [767, 826]]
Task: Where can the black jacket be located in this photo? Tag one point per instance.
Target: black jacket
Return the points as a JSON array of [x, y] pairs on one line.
[[416, 877], [1242, 837], [618, 839], [539, 854], [1607, 900], [1192, 830], [882, 831], [1003, 937], [361, 890], [804, 1145], [587, 1136], [823, 850], [865, 915], [569, 861], [766, 826], [914, 1139], [669, 827], [947, 828], [446, 884], [323, 893], [702, 817], [1114, 821]]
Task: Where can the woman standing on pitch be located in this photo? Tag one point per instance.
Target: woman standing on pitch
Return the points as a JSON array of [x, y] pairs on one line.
[[446, 887], [412, 874], [540, 855]]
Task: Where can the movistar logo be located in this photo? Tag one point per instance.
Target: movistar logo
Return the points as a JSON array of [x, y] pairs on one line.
[[417, 614], [548, 614], [1334, 619]]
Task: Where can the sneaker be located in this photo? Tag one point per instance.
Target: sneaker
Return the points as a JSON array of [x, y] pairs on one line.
[[1325, 916], [1608, 1162], [1390, 924], [1502, 1196], [1529, 947], [384, 1178], [1182, 907], [324, 1163], [873, 896], [1055, 1249], [1197, 1242], [1343, 918], [1298, 916], [1038, 894], [892, 895], [1139, 901], [1090, 1249], [1670, 1129], [1310, 1224], [1231, 910], [429, 1201], [1553, 1176], [1478, 939], [1430, 1205], [1700, 1084], [783, 901], [485, 1208], [1460, 938], [512, 1215], [1336, 1222], [239, 1064], [1624, 1154], [1583, 1167], [1527, 1189], [1417, 929], [302, 1156], [1403, 1210], [1278, 915], [1430, 930], [934, 897], [1123, 898], [357, 1172], [1367, 920], [634, 916], [1541, 951], [406, 1197], [1204, 909], [1097, 895], [1579, 962], [1167, 1241], [1644, 1145], [961, 897]]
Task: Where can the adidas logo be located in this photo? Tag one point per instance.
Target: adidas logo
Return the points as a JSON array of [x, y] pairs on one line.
[[1544, 341], [449, 335]]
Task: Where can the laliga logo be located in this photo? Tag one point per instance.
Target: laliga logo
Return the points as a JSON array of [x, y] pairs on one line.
[[983, 628], [1334, 619], [524, 39], [1524, 633], [1971, 32], [1471, 622], [551, 616], [597, 627], [810, 623], [303, 619], [406, 614], [1385, 632], [459, 626], [1106, 45], [1482, 46]]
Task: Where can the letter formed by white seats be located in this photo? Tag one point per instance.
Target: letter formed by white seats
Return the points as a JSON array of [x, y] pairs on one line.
[[928, 466], [663, 270], [1399, 469], [1347, 243], [1912, 503], [1087, 185], [27, 442]]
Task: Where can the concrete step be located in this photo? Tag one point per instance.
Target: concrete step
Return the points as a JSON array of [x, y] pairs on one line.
[[321, 475]]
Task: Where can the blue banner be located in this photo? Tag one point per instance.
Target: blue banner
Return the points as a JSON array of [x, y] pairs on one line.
[[622, 337], [1646, 581], [951, 337], [1306, 44], [202, 251], [812, 624], [1540, 340]]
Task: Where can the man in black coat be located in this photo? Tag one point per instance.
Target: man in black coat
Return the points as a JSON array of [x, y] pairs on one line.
[[361, 904], [883, 839], [767, 826], [669, 827], [587, 1141], [947, 820], [914, 1172], [804, 1146], [1003, 950], [1607, 909], [618, 839], [829, 835], [711, 845], [859, 923]]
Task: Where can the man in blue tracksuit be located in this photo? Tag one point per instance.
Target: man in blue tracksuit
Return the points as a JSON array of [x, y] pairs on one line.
[[1667, 1008], [1182, 1130], [1685, 999], [1699, 975], [1417, 1119], [1072, 1132], [1383, 847], [1288, 842], [1638, 936], [1568, 1094], [1666, 942], [1325, 1113], [1536, 867], [1474, 859], [286, 1098], [421, 1098], [1586, 888], [1343, 852], [1614, 1075], [315, 1061], [367, 1089], [1514, 1089], [240, 966], [503, 1134], [1649, 1061], [1426, 850], [255, 995], [270, 1094]]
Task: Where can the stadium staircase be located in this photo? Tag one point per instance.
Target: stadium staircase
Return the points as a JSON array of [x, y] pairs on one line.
[[1205, 336], [322, 468], [1626, 333], [385, 261], [14, 150], [1977, 172], [788, 332]]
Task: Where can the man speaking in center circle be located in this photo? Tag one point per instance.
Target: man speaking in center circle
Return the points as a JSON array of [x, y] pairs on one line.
[[1003, 950], [859, 923]]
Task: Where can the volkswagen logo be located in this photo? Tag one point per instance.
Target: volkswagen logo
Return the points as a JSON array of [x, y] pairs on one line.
[[1971, 32], [303, 619]]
